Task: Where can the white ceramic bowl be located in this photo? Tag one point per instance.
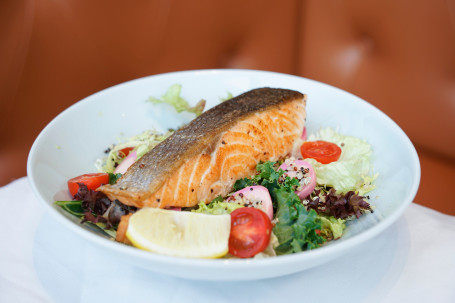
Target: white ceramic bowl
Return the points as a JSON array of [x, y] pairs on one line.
[[69, 145]]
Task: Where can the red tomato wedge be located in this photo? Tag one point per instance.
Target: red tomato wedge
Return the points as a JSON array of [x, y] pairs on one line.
[[322, 151], [92, 181], [250, 232]]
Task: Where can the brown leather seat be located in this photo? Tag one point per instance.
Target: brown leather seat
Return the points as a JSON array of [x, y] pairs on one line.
[[399, 57]]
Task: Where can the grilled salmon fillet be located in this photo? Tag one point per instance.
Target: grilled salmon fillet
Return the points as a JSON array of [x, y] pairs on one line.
[[203, 159]]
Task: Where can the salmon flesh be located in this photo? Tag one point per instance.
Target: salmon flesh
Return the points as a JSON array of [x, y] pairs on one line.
[[203, 159]]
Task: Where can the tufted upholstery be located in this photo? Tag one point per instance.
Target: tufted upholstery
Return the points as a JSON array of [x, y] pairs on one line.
[[399, 57]]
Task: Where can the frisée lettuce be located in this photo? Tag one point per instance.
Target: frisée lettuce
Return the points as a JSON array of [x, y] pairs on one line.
[[216, 207], [141, 144], [172, 97], [352, 171]]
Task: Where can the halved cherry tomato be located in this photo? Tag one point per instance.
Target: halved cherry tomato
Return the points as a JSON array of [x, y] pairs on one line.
[[124, 152], [250, 232], [322, 151], [92, 181]]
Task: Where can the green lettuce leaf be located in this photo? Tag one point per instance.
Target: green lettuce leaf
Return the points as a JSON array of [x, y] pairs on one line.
[[75, 208], [296, 228], [228, 97], [216, 208], [331, 227], [172, 97], [352, 171], [72, 207]]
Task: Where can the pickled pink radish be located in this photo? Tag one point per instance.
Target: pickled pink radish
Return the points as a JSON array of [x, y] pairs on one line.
[[304, 134], [308, 181], [254, 194], [126, 163]]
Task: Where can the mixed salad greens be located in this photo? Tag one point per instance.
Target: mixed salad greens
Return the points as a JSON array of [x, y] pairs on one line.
[[309, 201]]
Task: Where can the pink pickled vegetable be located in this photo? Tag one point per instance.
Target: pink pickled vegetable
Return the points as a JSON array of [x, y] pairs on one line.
[[126, 163], [254, 196], [304, 172]]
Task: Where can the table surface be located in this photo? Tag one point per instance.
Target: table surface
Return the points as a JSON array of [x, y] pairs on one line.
[[41, 261]]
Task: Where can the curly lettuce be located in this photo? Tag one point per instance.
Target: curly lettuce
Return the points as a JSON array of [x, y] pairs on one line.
[[332, 228], [141, 144], [172, 97], [216, 208], [296, 229], [352, 171]]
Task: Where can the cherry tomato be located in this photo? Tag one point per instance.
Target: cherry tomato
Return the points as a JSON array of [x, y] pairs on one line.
[[124, 152], [250, 232], [322, 151], [92, 181]]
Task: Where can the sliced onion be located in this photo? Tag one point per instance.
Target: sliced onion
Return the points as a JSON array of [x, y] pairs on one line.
[[126, 163]]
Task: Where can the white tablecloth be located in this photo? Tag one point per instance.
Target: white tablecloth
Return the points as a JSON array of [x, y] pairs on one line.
[[41, 261]]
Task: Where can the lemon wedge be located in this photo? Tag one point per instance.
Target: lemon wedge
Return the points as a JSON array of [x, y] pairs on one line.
[[180, 233]]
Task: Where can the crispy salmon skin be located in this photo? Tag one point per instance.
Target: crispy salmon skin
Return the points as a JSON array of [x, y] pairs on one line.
[[203, 159]]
